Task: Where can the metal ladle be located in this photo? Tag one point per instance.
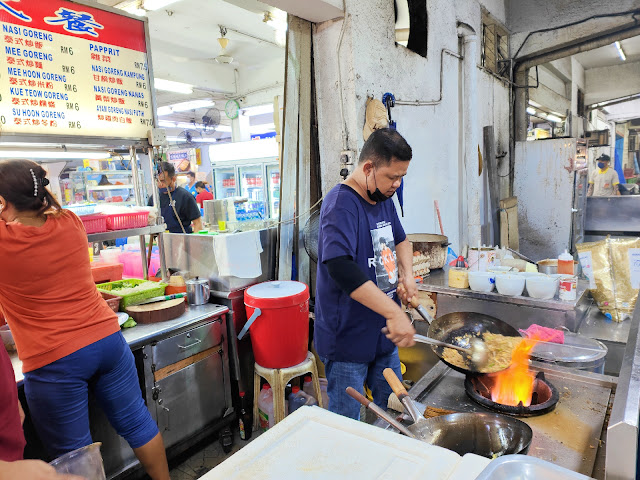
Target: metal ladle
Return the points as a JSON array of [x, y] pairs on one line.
[[476, 351]]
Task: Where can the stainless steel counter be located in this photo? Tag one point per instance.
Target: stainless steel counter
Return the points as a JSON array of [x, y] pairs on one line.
[[570, 436], [518, 311], [143, 334]]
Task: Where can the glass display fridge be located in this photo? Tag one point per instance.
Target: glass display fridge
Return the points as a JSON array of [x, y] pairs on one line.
[[273, 189], [257, 181], [225, 182]]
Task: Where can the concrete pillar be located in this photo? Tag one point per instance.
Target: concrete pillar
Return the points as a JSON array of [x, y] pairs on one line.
[[473, 185], [240, 129]]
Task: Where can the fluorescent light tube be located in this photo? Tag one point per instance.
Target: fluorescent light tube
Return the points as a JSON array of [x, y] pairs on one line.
[[620, 52], [41, 154], [530, 111], [191, 105], [171, 86], [553, 118]]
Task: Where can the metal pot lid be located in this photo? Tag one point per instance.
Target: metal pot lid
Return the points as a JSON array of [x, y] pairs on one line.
[[281, 289], [597, 351], [197, 281]]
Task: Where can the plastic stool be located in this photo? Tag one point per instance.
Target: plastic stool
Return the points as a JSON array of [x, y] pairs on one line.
[[278, 379]]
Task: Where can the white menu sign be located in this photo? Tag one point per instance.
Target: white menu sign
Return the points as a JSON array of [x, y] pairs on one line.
[[70, 69]]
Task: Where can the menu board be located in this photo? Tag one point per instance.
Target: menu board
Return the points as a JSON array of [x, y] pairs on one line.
[[70, 69]]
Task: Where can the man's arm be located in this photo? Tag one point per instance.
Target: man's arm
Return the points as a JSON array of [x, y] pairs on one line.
[[197, 224], [404, 252], [590, 190], [400, 329], [350, 278], [616, 189]]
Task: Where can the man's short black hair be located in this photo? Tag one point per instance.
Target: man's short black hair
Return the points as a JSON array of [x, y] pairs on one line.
[[191, 174], [200, 185], [169, 169], [604, 158], [383, 145]]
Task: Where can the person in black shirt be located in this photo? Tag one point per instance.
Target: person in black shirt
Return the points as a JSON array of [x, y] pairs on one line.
[[186, 208]]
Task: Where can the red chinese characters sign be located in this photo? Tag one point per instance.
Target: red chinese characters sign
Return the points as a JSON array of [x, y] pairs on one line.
[[70, 69]]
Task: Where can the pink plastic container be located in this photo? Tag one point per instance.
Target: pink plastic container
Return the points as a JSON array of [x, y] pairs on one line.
[[94, 223], [123, 221]]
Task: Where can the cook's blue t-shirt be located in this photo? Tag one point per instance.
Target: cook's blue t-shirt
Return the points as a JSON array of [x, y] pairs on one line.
[[346, 330]]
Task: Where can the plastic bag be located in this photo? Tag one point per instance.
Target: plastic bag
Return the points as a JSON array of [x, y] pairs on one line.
[[613, 269]]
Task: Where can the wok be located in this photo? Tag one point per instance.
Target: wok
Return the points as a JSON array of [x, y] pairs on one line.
[[453, 327], [487, 434]]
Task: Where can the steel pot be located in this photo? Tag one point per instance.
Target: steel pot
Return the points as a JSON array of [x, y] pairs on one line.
[[433, 246], [197, 291]]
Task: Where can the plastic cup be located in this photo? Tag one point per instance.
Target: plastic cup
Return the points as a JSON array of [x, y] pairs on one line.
[[222, 225], [85, 462]]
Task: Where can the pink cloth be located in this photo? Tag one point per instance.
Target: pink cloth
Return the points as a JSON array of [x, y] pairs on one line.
[[544, 334]]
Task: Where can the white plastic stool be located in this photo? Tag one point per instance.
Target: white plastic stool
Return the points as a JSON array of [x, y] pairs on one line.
[[278, 379]]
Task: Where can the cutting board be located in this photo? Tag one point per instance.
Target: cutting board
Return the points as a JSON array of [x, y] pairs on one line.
[[157, 312]]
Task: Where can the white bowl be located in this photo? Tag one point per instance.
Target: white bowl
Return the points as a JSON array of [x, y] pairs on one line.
[[530, 274], [482, 281], [542, 287], [510, 284]]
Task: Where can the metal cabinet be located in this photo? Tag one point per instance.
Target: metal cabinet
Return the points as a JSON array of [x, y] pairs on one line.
[[188, 382]]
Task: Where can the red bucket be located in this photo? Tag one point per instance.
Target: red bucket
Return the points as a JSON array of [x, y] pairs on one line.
[[278, 315]]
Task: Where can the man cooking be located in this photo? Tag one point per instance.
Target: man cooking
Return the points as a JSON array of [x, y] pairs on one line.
[[181, 210], [604, 181], [356, 296]]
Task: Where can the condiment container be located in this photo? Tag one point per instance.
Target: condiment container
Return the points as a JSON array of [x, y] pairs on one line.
[[568, 287], [458, 277], [197, 291], [565, 264]]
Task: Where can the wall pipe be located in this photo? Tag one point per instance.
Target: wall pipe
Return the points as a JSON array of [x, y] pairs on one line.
[[418, 103]]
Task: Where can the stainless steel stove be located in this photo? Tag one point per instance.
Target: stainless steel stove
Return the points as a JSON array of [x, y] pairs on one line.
[[568, 436]]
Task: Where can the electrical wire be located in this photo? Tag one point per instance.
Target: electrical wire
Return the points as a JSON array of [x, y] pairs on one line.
[[633, 14], [345, 135]]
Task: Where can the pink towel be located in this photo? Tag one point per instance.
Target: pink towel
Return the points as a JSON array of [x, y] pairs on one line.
[[544, 334]]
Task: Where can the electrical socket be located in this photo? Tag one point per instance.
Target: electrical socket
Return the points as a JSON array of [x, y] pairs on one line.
[[157, 137], [347, 157]]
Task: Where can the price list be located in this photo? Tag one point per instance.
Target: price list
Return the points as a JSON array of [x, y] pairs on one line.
[[70, 69]]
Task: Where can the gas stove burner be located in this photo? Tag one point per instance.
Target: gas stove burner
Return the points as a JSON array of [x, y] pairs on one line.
[[544, 399]]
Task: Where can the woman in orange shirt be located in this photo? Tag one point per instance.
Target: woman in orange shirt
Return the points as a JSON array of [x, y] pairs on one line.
[[67, 337]]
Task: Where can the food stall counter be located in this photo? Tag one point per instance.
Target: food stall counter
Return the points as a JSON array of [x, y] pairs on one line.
[[143, 334]]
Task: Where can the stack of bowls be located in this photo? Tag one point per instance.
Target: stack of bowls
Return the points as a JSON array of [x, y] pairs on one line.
[[543, 287], [511, 284], [482, 281]]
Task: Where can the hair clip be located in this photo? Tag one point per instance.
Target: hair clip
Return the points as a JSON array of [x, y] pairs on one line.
[[35, 183]]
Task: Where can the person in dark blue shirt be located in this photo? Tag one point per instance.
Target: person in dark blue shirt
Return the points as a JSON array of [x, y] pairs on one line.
[[363, 256], [182, 210]]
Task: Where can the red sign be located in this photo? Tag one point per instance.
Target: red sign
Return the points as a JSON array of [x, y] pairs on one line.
[[75, 20]]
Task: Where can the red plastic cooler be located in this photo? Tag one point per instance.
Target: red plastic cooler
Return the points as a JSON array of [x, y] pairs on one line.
[[278, 315]]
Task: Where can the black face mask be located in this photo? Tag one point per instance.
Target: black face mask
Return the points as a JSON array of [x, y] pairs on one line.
[[376, 196]]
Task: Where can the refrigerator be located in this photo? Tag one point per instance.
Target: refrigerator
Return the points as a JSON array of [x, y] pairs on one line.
[[224, 179], [256, 180], [551, 195]]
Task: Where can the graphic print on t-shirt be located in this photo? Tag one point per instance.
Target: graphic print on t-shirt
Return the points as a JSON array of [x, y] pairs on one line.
[[384, 257]]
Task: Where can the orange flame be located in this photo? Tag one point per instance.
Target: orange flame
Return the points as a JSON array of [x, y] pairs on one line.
[[515, 384]]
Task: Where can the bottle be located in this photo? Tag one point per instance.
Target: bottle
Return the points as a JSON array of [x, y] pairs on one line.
[[565, 263], [307, 386], [299, 399], [245, 419], [265, 407]]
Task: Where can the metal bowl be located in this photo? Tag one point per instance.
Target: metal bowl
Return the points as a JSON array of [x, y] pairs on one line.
[[486, 434]]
